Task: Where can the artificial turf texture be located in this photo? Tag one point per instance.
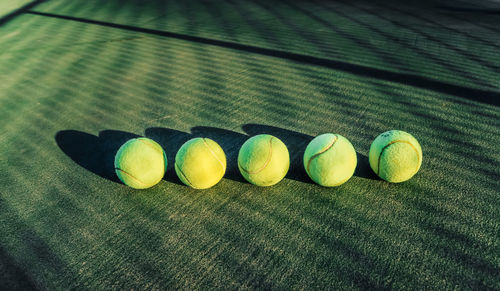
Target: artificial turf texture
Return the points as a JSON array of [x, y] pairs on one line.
[[78, 78]]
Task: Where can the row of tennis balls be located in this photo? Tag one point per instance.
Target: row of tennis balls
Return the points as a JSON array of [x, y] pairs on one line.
[[263, 160]]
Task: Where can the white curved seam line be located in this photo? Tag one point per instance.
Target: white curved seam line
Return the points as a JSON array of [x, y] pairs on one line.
[[213, 153], [329, 146]]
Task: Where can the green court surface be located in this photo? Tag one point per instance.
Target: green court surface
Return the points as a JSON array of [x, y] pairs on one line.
[[79, 78], [8, 7]]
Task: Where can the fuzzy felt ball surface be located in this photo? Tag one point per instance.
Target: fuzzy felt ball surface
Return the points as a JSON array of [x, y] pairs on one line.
[[140, 163], [330, 160], [200, 163], [263, 160], [395, 156]]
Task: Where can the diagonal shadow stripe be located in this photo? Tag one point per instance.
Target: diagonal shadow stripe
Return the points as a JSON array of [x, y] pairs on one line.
[[20, 11], [469, 9], [484, 96]]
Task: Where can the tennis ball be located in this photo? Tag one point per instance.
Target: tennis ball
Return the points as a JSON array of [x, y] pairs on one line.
[[200, 163], [263, 160], [395, 156], [140, 163], [330, 160]]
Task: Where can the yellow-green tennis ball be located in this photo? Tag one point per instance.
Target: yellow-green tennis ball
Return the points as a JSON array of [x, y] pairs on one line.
[[200, 163], [395, 156], [140, 163], [330, 160], [263, 160]]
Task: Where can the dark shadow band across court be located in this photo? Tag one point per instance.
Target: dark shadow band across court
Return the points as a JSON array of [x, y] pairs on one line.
[[479, 95]]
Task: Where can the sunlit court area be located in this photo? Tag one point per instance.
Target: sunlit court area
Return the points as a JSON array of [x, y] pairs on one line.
[[262, 145]]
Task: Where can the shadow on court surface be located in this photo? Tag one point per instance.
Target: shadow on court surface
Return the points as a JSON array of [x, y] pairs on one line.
[[20, 11], [296, 143], [487, 96], [94, 153], [97, 153], [12, 275], [171, 140], [19, 265]]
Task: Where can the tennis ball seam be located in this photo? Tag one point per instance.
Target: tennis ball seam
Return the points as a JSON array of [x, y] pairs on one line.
[[321, 152], [148, 144], [183, 175], [213, 153], [265, 164], [131, 176], [389, 144]]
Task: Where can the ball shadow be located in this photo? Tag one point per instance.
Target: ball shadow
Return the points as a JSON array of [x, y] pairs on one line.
[[363, 168], [170, 140], [94, 153], [296, 143], [230, 142]]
